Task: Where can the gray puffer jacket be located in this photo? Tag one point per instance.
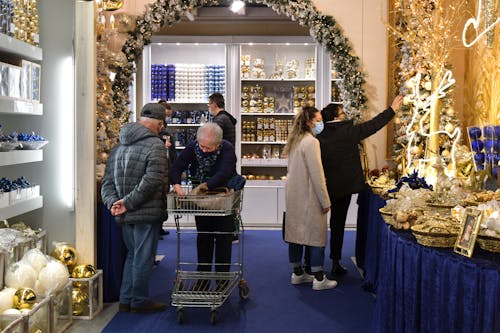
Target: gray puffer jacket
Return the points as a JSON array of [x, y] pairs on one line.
[[137, 172]]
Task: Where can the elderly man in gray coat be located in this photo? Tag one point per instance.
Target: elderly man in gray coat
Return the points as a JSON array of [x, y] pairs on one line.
[[134, 188]]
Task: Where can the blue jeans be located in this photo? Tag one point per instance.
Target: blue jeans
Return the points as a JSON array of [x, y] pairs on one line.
[[296, 253], [141, 241]]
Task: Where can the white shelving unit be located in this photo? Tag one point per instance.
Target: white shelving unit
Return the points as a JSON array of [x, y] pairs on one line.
[[264, 199], [21, 208], [20, 156], [11, 48]]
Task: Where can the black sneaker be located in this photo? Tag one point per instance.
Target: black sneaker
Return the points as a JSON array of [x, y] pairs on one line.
[[164, 232], [149, 306], [236, 239], [123, 307], [338, 269]]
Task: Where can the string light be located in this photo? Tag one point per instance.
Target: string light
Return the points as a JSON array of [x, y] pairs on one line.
[[420, 102], [237, 6]]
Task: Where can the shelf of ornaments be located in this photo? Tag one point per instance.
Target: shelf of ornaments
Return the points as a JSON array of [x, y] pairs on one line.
[[337, 102], [183, 125], [263, 142], [265, 183], [19, 106], [13, 46], [277, 80], [21, 207], [267, 114], [204, 102], [14, 157], [264, 162]]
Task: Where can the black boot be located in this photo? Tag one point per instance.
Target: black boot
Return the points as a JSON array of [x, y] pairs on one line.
[[338, 269]]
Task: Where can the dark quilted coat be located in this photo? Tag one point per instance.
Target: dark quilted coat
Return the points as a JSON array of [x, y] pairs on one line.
[[137, 172]]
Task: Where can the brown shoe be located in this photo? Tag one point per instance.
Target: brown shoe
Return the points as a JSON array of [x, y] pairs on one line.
[[149, 306], [124, 307]]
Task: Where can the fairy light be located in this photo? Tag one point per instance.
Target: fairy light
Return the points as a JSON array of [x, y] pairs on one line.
[[476, 21], [421, 102]]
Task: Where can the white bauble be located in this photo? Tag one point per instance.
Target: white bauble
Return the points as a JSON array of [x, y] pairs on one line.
[[449, 128], [53, 277], [446, 154], [11, 312], [6, 298], [36, 259], [20, 275], [406, 100], [416, 150], [428, 85]]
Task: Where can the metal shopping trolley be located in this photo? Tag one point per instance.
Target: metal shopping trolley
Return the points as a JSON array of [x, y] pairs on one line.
[[193, 288]]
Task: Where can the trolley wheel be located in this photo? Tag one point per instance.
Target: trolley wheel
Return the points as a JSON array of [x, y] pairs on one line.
[[244, 289], [213, 317], [180, 315]]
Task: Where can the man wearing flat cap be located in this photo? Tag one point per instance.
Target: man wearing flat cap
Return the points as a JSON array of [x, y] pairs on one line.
[[133, 188]]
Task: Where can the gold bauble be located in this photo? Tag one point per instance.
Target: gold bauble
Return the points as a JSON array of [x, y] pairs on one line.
[[80, 301], [83, 271], [66, 254], [35, 329], [111, 5], [24, 298]]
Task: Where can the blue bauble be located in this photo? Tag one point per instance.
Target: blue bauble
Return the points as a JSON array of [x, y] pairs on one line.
[[479, 158], [474, 132], [496, 129], [477, 145], [488, 131], [494, 171], [488, 145]]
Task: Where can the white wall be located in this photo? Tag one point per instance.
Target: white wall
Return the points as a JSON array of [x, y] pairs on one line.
[[364, 23], [56, 39]]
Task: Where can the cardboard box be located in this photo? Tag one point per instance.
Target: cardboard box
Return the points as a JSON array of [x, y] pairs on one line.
[[92, 288]]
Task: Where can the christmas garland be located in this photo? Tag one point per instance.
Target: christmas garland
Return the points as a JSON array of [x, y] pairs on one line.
[[322, 27]]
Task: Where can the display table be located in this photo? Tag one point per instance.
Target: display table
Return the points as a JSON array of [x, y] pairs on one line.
[[423, 289]]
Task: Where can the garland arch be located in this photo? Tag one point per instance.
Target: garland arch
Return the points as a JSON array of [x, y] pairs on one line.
[[323, 28]]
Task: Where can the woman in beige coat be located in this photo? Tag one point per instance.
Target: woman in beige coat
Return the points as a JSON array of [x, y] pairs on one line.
[[307, 201]]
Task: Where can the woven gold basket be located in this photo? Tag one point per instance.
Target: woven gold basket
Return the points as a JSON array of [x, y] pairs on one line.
[[435, 237], [387, 216], [489, 243]]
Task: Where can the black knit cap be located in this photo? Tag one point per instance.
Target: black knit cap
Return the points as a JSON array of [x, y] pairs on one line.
[[153, 110]]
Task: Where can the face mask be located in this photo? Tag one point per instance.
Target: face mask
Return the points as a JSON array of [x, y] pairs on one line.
[[318, 128]]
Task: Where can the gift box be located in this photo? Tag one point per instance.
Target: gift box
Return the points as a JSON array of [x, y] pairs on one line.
[[26, 79], [62, 308], [87, 296], [4, 199], [13, 323], [36, 72]]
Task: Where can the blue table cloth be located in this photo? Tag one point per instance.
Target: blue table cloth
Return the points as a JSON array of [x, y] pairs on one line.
[[423, 289]]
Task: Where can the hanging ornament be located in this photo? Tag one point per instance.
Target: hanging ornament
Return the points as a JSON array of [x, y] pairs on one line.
[[111, 5]]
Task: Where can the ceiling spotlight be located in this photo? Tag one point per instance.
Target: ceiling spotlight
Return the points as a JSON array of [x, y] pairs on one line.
[[238, 7]]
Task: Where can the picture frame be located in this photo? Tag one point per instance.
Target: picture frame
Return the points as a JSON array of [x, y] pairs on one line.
[[466, 239]]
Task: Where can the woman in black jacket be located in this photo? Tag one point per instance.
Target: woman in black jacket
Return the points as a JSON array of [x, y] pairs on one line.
[[342, 166]]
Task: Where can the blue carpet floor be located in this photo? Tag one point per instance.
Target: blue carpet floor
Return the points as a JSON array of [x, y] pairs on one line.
[[274, 305]]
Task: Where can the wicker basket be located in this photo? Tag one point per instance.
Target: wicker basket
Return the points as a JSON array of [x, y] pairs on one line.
[[435, 237], [489, 243], [387, 216]]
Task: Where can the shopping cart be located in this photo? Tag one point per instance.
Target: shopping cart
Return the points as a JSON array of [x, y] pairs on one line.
[[193, 288]]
